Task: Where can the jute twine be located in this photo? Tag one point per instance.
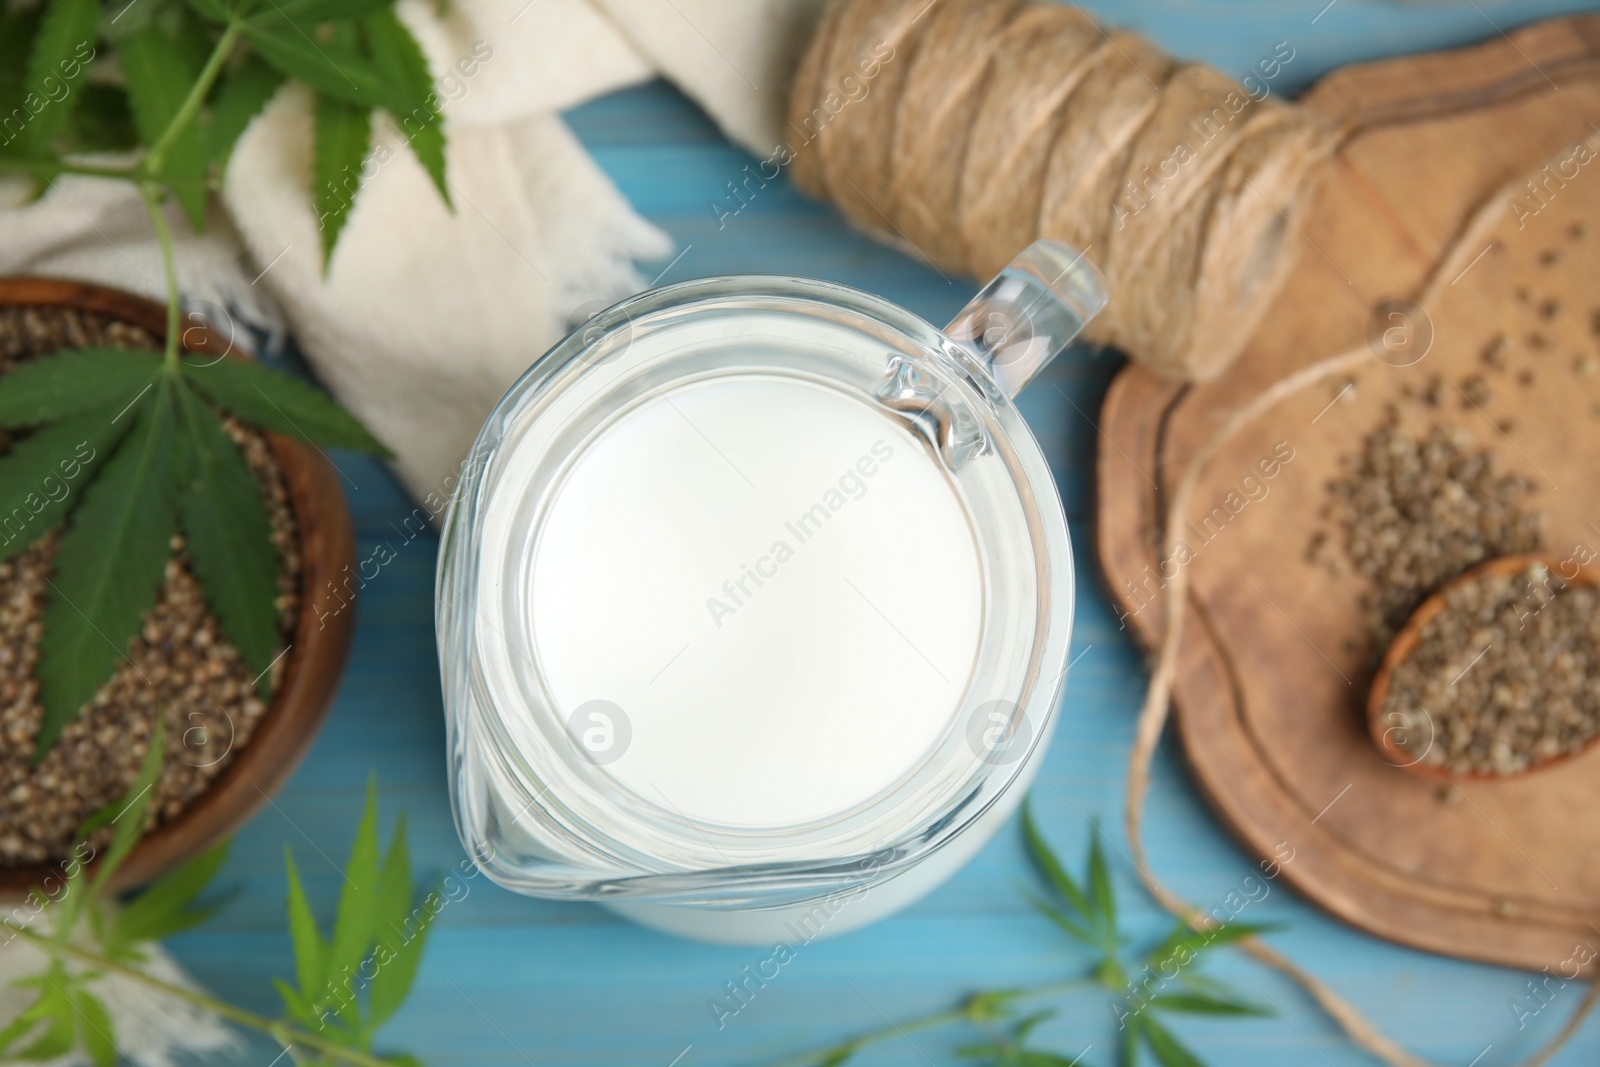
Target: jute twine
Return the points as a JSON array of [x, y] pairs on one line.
[[964, 129]]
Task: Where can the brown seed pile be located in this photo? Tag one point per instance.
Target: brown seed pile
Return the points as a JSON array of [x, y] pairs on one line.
[[1505, 677], [178, 665], [1419, 509]]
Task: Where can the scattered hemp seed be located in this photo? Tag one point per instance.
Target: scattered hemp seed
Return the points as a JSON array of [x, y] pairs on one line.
[[1476, 391], [1434, 396], [1537, 341], [1505, 677], [1549, 257], [1585, 366], [1321, 553], [1495, 353], [1576, 231], [1525, 377], [1550, 310], [1417, 509]]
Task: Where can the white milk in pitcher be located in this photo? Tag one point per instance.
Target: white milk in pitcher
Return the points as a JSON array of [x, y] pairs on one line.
[[771, 584]]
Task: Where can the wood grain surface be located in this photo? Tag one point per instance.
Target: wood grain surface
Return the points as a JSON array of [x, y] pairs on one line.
[[1275, 668]]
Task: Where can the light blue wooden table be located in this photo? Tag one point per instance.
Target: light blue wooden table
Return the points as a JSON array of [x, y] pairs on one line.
[[513, 981]]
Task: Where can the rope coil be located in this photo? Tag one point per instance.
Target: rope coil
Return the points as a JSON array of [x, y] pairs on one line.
[[996, 122]]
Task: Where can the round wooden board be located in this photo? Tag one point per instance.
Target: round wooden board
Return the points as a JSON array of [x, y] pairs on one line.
[[1275, 663]]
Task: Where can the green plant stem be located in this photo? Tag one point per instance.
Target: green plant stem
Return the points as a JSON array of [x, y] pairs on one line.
[[149, 174], [169, 265], [931, 1021], [197, 96], [49, 168], [282, 1032]]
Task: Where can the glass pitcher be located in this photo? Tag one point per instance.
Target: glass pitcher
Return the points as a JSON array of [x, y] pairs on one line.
[[754, 601]]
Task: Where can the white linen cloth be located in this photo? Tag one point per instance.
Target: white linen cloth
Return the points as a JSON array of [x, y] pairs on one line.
[[425, 316]]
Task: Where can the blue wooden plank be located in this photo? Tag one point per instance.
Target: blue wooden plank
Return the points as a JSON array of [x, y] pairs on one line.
[[514, 981]]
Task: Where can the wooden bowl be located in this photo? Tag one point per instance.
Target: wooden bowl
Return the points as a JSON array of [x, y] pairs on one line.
[[316, 651], [1405, 642]]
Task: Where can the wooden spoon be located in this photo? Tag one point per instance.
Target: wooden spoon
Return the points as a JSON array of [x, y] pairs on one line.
[[1394, 743]]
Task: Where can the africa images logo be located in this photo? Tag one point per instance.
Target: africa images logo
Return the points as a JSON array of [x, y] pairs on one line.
[[807, 524]]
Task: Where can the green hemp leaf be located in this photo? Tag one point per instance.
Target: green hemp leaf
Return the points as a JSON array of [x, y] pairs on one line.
[[1145, 990], [353, 981], [1165, 981], [133, 450], [118, 451]]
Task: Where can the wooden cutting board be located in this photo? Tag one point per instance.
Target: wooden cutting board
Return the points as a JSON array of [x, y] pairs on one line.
[[1275, 662]]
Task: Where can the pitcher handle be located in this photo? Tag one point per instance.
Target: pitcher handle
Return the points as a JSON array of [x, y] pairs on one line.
[[1030, 312]]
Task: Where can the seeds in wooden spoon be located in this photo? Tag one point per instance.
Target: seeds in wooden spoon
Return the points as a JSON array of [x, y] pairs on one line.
[[1504, 677]]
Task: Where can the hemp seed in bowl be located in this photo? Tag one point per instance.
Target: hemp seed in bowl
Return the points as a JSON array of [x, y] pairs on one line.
[[1500, 674], [179, 666]]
